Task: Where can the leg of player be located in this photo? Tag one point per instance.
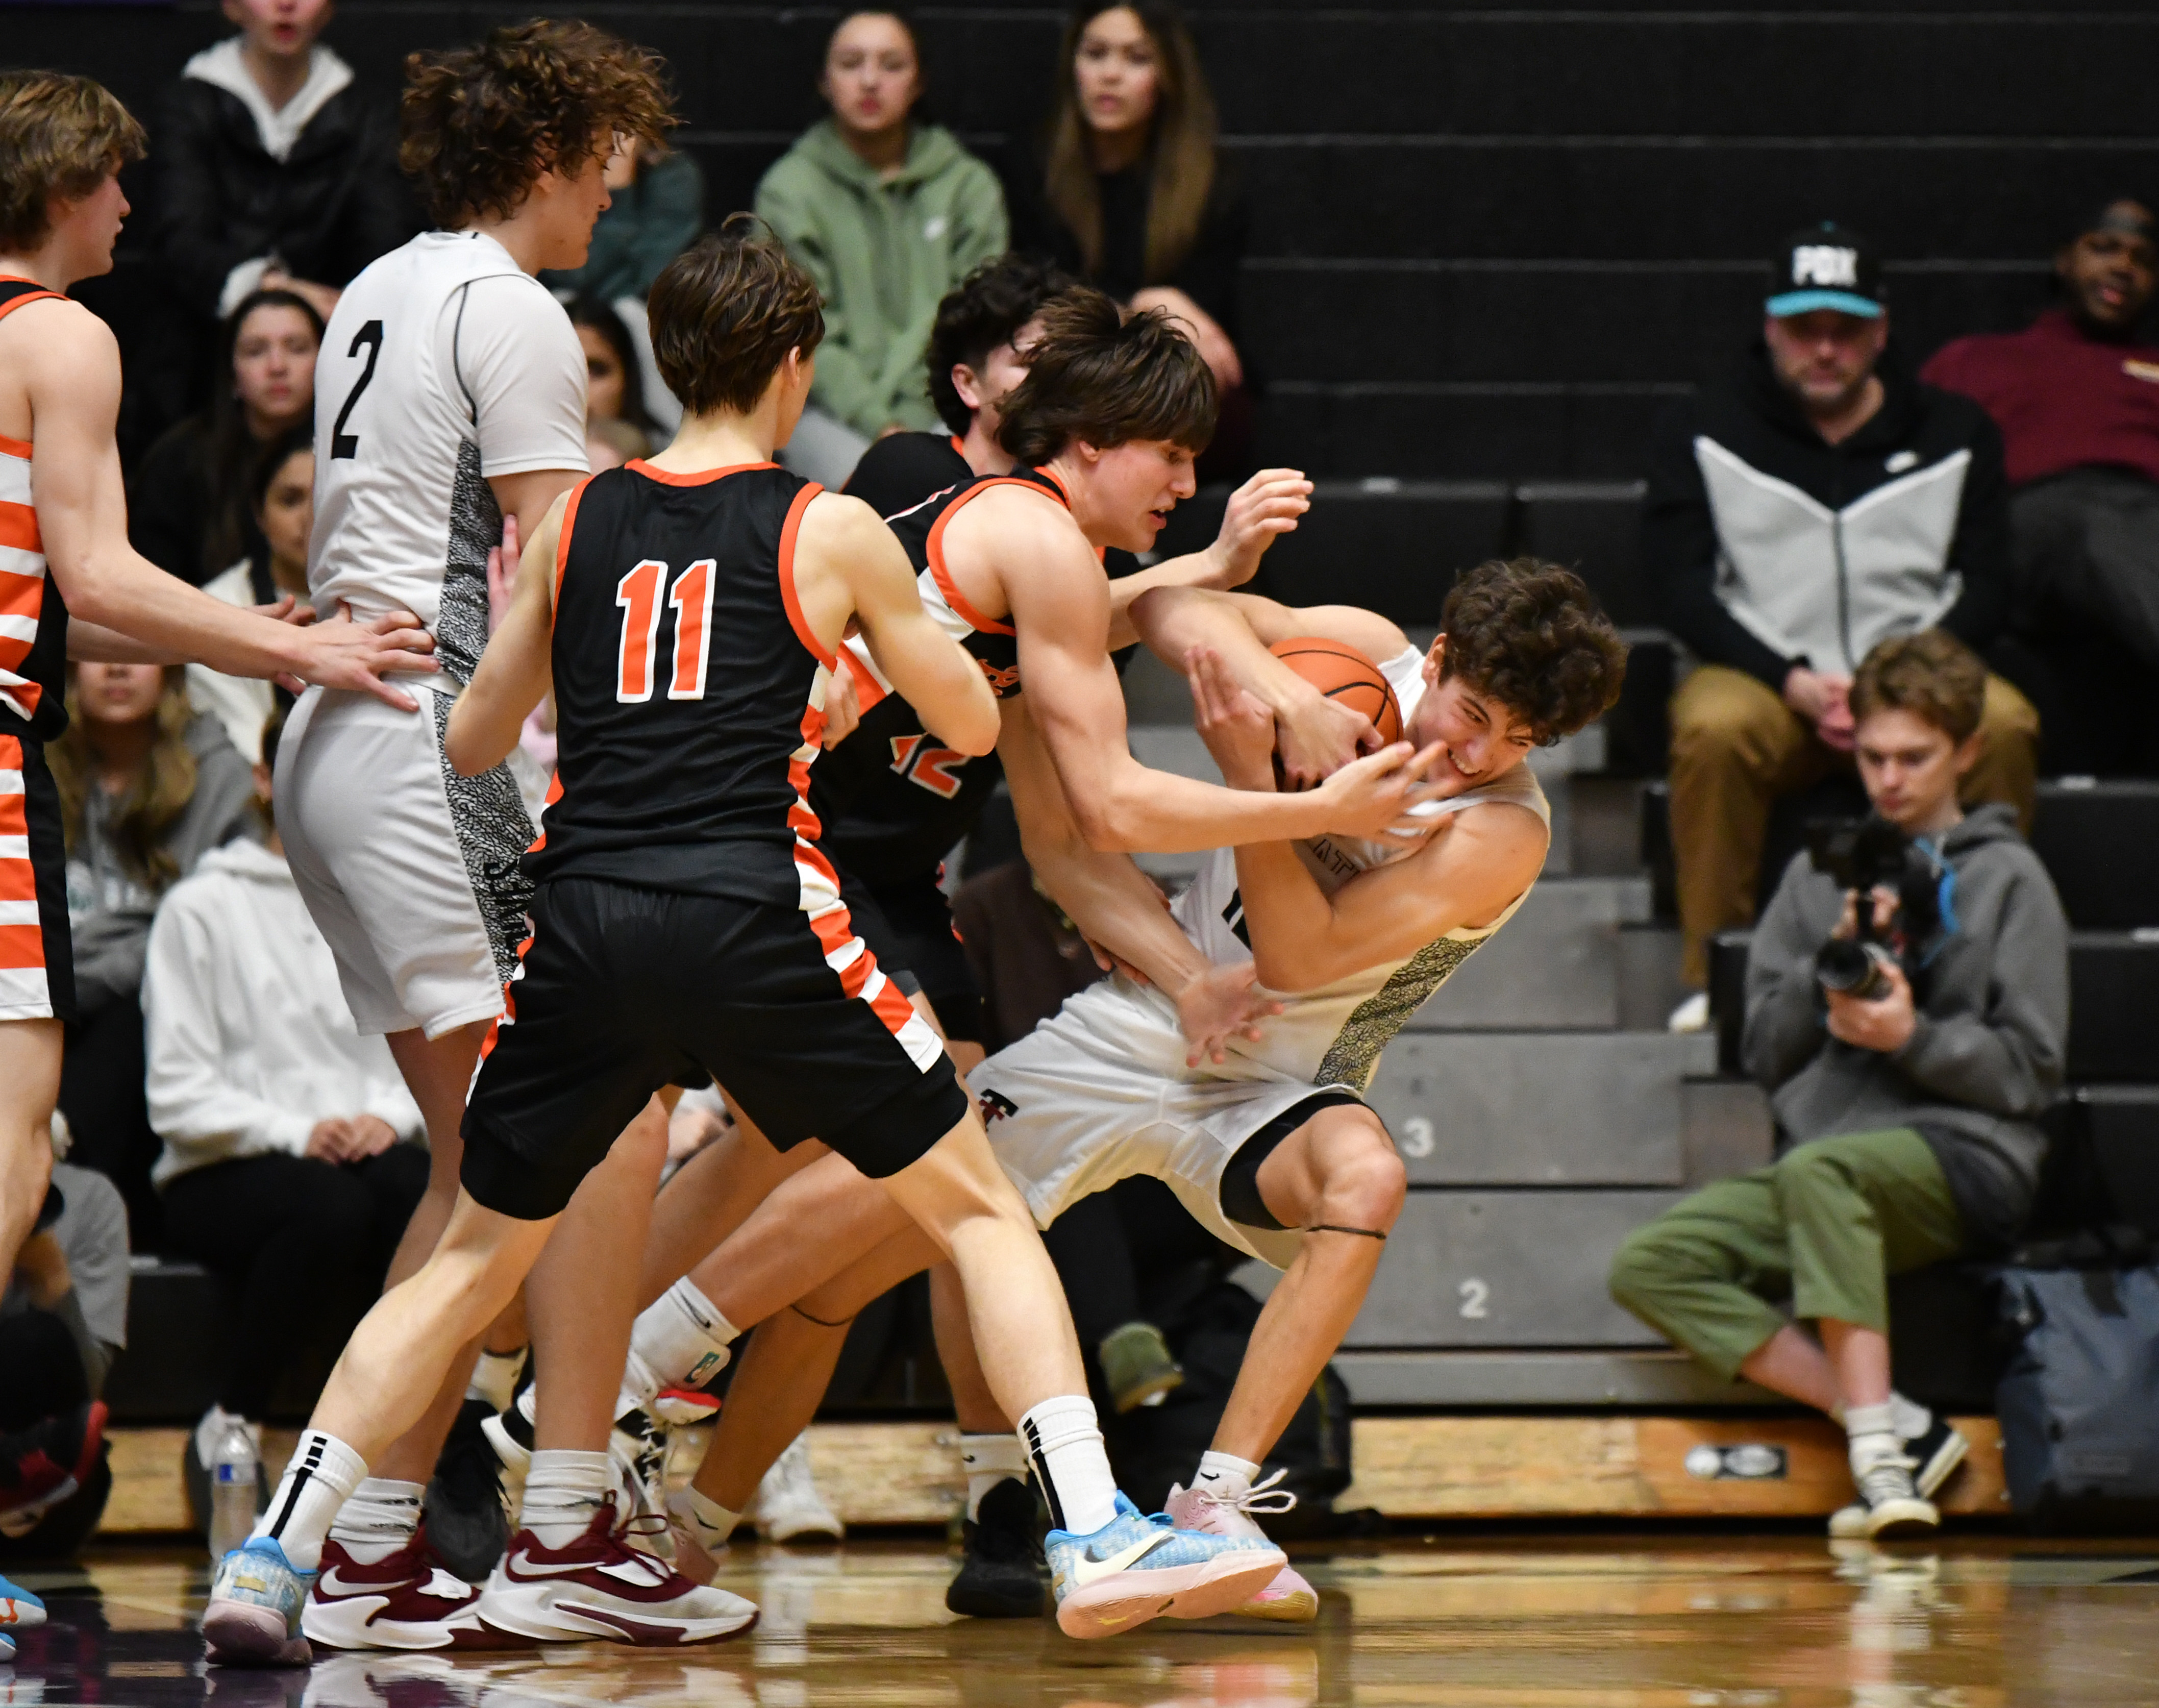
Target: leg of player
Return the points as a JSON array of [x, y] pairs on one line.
[[711, 1195], [1339, 1179], [30, 1085]]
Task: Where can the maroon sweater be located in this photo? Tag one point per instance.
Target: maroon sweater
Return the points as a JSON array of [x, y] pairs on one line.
[[2062, 398]]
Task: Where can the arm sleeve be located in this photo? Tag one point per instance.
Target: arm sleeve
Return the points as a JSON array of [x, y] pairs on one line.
[[519, 362], [1979, 553], [194, 1106], [1679, 551], [844, 386], [1784, 1029], [195, 251], [2009, 1061]]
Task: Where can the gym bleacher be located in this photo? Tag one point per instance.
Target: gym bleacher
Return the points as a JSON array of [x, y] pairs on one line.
[[1489, 246]]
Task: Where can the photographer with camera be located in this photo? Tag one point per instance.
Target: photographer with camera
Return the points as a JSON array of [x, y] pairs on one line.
[[1907, 1008]]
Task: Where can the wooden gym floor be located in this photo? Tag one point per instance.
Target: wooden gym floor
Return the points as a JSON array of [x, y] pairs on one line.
[[1492, 1620]]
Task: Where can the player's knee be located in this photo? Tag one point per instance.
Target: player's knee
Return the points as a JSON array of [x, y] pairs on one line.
[[1637, 1267], [1366, 1181]]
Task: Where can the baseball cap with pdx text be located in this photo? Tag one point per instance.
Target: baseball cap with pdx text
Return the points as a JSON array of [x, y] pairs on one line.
[[1825, 266]]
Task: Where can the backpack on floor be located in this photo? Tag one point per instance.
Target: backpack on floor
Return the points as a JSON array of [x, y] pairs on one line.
[[2078, 1404]]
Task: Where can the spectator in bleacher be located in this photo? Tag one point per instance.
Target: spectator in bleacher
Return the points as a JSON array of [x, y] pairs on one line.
[[1125, 188], [886, 214], [274, 168], [1912, 1115], [2076, 396], [983, 325], [188, 509], [281, 500], [615, 381], [655, 210], [1818, 502], [147, 788], [287, 1167]]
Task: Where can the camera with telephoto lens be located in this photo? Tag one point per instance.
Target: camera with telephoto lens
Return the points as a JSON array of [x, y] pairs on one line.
[[1865, 855]]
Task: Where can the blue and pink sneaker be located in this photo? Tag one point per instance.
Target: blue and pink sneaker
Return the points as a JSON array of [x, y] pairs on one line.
[[1137, 1568]]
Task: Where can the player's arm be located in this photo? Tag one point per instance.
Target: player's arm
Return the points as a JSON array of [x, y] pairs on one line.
[[843, 537], [1467, 874], [72, 369], [1260, 511], [517, 666], [529, 497], [1315, 735]]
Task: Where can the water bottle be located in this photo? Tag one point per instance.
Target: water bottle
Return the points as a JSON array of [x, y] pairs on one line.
[[233, 1491]]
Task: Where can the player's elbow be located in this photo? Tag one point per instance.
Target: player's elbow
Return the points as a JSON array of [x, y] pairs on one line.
[[1293, 969], [972, 728], [466, 744]]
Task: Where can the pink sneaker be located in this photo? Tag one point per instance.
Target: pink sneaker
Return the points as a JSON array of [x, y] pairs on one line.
[[1288, 1597]]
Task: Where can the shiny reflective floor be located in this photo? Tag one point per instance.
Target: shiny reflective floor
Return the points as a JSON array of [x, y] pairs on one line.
[[1721, 1620]]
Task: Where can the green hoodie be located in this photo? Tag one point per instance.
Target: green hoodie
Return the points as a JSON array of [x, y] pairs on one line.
[[882, 254]]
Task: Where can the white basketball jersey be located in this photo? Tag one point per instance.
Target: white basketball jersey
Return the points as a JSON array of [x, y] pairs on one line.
[[423, 390], [1333, 1036]]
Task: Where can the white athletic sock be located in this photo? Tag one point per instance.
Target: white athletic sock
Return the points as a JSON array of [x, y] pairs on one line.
[[1224, 1475], [707, 1521], [379, 1519], [988, 1459], [495, 1377], [1913, 1420], [680, 1338], [1870, 1420], [318, 1479], [562, 1491], [1872, 1430], [1064, 1445]]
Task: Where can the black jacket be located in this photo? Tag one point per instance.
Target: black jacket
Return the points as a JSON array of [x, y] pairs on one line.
[[1771, 547], [332, 206]]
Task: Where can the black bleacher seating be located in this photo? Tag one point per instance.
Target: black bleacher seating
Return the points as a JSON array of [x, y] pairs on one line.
[[2114, 1006], [1394, 547], [2100, 843], [2120, 1123]]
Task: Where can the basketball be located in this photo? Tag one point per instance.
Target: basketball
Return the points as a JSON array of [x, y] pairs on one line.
[[1341, 672]]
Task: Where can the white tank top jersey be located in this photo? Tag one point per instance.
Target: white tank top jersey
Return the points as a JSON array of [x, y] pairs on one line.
[[1333, 1036], [445, 365]]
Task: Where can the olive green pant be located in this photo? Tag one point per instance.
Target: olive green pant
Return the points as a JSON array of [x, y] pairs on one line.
[[1825, 1227]]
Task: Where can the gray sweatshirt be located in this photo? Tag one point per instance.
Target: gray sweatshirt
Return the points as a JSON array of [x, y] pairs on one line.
[[1985, 1058]]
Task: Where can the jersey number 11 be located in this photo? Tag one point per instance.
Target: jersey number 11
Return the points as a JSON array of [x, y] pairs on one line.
[[691, 598]]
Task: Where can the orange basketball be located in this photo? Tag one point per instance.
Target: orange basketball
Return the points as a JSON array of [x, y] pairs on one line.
[[1341, 672]]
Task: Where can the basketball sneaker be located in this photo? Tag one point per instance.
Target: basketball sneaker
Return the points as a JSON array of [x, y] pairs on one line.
[[789, 1506], [1001, 1571], [1289, 1597], [256, 1598], [42, 1464], [405, 1600], [601, 1587], [19, 1609], [1136, 1568]]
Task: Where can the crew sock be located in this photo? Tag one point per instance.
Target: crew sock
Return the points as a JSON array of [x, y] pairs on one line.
[[318, 1479], [495, 1377], [1224, 1475], [988, 1459], [379, 1519], [1913, 1420], [1063, 1444], [562, 1491], [706, 1520], [1872, 1430], [679, 1339]]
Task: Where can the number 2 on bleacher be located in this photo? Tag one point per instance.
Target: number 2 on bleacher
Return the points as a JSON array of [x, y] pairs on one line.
[[1474, 1294], [637, 594]]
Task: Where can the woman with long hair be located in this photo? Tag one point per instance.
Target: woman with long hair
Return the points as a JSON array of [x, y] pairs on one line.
[[147, 787], [886, 214], [1125, 188], [281, 498], [187, 509], [614, 379]]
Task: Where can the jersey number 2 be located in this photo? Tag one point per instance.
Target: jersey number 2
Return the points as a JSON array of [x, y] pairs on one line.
[[343, 443], [690, 598]]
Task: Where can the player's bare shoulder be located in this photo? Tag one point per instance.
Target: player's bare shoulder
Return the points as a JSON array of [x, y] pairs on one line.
[[1014, 541], [52, 350]]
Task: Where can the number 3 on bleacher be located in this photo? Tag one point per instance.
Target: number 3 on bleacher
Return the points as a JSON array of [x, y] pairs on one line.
[[1475, 1294]]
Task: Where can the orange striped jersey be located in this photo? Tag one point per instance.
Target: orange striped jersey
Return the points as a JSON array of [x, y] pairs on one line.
[[893, 799], [689, 691], [33, 616]]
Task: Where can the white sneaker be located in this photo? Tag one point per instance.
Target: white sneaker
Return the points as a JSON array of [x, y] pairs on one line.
[[1288, 1598], [599, 1586], [1691, 1015], [788, 1503], [1892, 1505]]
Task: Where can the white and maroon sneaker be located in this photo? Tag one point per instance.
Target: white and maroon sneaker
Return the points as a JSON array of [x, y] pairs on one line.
[[600, 1587], [1288, 1597], [406, 1599]]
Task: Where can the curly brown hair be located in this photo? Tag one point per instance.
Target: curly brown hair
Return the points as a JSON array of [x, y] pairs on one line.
[[1931, 673], [725, 312], [154, 797], [1529, 635], [61, 136], [479, 124], [1107, 378]]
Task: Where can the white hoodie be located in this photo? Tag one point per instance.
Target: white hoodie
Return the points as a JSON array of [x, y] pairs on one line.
[[249, 1038]]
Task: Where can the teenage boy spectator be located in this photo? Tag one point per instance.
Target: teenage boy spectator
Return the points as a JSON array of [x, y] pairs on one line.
[[655, 210], [273, 167], [1817, 502], [886, 216], [2076, 396], [1914, 1116], [287, 1166]]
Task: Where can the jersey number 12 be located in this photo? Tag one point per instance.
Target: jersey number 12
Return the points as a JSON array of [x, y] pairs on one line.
[[691, 598]]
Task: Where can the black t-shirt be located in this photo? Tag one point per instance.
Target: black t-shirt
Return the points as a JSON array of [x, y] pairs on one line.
[[902, 469]]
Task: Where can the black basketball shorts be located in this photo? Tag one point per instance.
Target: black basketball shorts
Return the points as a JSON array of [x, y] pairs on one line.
[[622, 991], [909, 927], [37, 949]]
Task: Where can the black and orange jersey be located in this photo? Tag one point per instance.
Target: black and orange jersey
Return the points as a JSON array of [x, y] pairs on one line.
[[689, 691], [32, 615], [893, 798]]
